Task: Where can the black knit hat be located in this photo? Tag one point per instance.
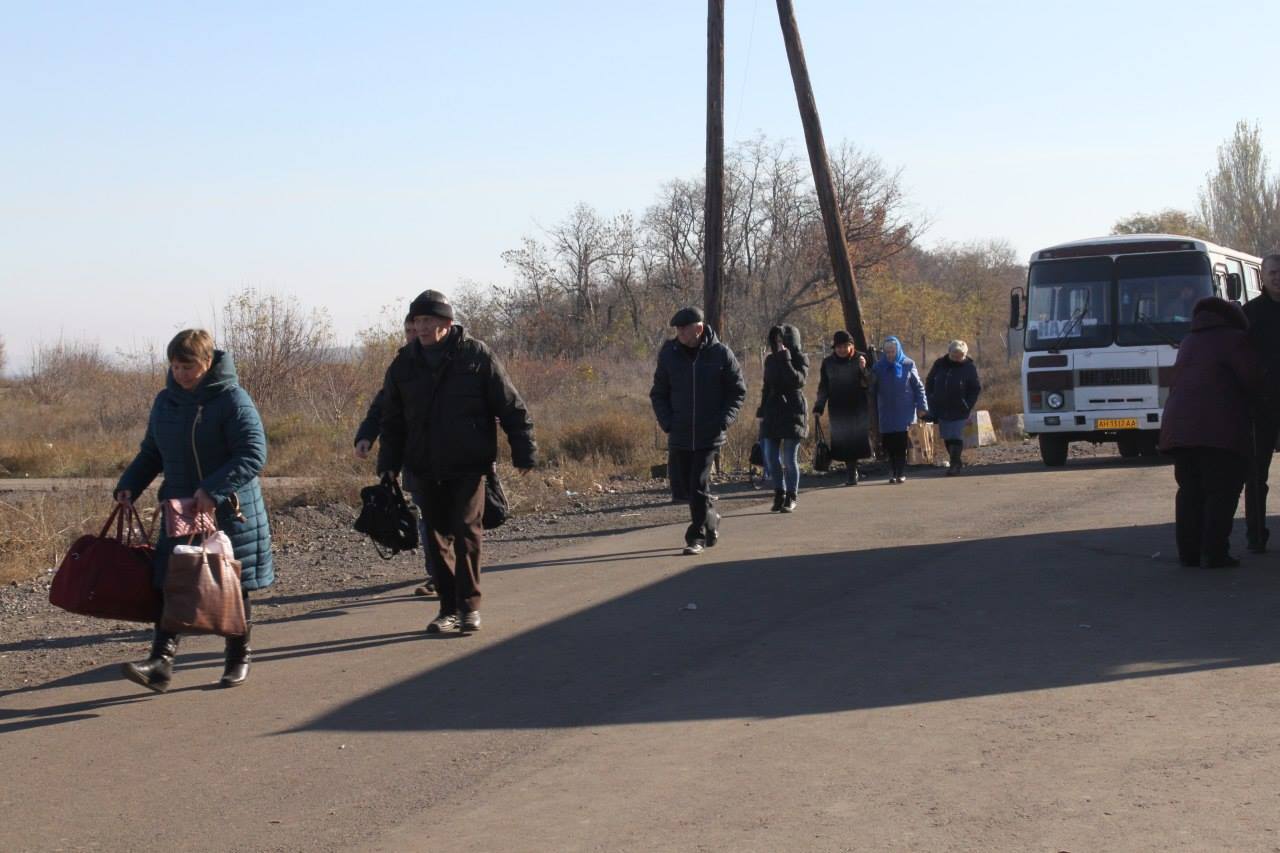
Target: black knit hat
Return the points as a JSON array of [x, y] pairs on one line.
[[841, 337], [686, 316], [431, 303]]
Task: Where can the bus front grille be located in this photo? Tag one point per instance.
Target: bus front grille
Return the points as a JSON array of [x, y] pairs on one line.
[[1115, 376]]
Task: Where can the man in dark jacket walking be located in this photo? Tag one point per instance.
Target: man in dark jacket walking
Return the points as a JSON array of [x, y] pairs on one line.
[[443, 397], [697, 392], [1263, 312], [367, 433], [1206, 428]]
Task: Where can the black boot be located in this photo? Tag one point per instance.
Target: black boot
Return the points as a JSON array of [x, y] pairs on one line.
[[956, 448], [851, 475], [157, 670], [239, 656], [789, 502], [779, 498]]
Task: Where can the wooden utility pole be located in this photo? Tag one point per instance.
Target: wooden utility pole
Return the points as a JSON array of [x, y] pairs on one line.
[[836, 245], [713, 223]]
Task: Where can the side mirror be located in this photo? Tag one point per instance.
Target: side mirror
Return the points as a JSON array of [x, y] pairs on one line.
[[1015, 308], [1235, 286]]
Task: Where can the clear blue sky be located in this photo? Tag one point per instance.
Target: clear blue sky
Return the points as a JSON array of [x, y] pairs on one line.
[[157, 157]]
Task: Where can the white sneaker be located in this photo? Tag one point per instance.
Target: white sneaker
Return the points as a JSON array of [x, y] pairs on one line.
[[443, 622], [694, 548]]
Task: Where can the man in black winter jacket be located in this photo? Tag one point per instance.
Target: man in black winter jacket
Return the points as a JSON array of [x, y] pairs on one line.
[[697, 392], [443, 397], [1264, 332]]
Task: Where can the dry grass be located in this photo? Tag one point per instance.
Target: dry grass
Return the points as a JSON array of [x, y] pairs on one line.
[[592, 418], [36, 530]]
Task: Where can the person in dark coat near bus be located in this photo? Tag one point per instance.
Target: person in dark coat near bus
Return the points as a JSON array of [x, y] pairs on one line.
[[952, 388], [366, 434], [697, 393], [1207, 428], [783, 413], [1263, 312], [843, 383], [205, 437]]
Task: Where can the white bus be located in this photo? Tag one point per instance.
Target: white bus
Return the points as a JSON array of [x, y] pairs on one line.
[[1102, 321]]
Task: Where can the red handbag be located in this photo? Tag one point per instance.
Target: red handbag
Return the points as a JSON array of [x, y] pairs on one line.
[[109, 577]]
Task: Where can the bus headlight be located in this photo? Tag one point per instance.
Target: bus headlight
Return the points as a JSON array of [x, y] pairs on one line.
[[1055, 400]]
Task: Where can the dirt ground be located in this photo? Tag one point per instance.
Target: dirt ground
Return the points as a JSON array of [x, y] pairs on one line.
[[322, 562]]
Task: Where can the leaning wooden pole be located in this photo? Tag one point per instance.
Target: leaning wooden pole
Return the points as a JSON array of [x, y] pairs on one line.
[[836, 245], [713, 213]]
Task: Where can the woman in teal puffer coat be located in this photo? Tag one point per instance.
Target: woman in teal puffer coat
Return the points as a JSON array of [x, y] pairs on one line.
[[205, 436]]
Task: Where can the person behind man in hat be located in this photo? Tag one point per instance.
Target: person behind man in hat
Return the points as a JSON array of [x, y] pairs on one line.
[[1207, 428], [697, 392], [843, 381], [367, 433], [443, 396]]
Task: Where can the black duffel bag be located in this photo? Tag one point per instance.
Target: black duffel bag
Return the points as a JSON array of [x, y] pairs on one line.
[[387, 518], [496, 508]]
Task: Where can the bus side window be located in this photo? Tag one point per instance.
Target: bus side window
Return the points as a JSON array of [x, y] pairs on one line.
[[1252, 281]]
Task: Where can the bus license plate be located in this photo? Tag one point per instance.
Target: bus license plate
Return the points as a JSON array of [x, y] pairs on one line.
[[1116, 423]]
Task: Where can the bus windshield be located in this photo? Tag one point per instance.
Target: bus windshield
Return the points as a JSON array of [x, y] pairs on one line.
[[1156, 294], [1069, 304]]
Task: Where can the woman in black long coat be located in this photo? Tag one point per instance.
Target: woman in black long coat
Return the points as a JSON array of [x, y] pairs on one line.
[[843, 385], [783, 413]]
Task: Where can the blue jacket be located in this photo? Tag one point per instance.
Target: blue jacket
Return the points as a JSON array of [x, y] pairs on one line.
[[219, 422], [898, 396]]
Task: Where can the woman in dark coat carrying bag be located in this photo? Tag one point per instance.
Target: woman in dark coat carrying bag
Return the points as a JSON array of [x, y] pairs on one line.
[[843, 384], [206, 437], [952, 388], [783, 413], [1207, 428]]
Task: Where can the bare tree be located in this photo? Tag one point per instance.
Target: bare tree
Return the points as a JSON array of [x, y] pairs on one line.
[[1240, 200], [673, 239], [275, 343], [581, 244]]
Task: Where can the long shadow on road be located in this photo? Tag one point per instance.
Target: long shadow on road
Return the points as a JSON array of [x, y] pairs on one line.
[[812, 634]]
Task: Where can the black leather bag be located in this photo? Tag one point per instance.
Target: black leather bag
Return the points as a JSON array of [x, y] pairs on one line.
[[387, 518], [821, 450], [757, 455], [496, 508]]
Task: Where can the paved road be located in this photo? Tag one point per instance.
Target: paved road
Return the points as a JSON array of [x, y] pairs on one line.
[[1011, 661]]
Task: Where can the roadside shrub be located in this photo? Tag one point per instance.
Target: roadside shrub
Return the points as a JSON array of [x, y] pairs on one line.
[[276, 344], [58, 371], [614, 437]]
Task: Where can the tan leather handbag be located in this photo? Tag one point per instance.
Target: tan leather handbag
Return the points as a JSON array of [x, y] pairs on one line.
[[202, 594]]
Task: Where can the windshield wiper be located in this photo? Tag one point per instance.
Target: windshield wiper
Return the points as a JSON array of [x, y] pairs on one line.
[[1077, 318], [1144, 320]]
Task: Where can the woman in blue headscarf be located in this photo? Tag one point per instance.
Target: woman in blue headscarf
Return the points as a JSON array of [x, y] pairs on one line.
[[900, 398]]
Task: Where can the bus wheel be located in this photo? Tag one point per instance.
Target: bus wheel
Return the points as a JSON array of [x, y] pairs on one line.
[[1129, 445], [1150, 444], [1053, 450]]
